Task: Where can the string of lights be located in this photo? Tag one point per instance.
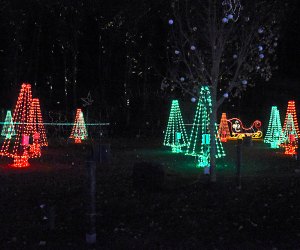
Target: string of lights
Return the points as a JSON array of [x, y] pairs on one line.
[[58, 123]]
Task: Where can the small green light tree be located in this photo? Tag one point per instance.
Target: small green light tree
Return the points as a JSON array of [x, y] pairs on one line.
[[274, 129], [8, 129], [199, 141], [175, 136]]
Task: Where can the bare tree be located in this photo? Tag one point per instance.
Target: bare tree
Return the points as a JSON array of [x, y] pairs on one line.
[[223, 44]]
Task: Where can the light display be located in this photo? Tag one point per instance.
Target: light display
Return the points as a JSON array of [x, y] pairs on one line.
[[289, 137], [199, 141], [37, 129], [18, 148], [175, 136], [79, 131], [291, 109], [8, 129], [238, 131], [274, 129], [223, 131]]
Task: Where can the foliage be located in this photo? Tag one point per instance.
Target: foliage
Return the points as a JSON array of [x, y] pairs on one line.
[[227, 54]]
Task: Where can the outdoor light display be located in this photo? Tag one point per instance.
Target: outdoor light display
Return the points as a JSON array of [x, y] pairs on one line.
[[274, 129], [79, 131], [238, 131], [291, 109], [199, 141], [37, 124], [223, 131], [289, 137], [18, 147], [8, 129], [37, 129], [175, 136]]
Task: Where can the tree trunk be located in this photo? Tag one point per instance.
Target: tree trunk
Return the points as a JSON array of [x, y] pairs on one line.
[[213, 146]]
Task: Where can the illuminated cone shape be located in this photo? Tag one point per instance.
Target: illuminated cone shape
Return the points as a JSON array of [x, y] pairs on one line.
[[289, 137], [291, 109], [274, 129], [37, 128], [18, 147], [79, 131], [175, 136], [8, 129], [223, 131], [199, 141]]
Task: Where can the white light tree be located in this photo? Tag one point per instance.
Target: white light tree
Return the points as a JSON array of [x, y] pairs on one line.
[[223, 44]]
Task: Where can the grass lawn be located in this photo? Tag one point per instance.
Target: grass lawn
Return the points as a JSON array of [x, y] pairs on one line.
[[188, 213]]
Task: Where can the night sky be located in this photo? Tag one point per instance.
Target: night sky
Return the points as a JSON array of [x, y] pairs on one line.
[[112, 40]]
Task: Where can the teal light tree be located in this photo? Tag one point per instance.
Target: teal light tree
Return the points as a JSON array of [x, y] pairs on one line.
[[274, 129], [176, 136], [8, 129], [199, 141]]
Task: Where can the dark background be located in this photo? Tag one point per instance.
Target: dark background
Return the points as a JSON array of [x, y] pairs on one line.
[[120, 45]]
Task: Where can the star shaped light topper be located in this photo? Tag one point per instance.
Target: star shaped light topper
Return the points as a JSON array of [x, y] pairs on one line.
[[88, 100]]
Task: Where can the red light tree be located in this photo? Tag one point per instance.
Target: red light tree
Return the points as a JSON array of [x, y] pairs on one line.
[[18, 148], [289, 137], [291, 109], [223, 131], [37, 129], [79, 131]]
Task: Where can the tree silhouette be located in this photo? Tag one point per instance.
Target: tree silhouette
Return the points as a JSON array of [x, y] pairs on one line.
[[226, 45]]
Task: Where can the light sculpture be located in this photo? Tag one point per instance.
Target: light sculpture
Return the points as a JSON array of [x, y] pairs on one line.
[[199, 140], [8, 129], [79, 131], [274, 129], [223, 132], [18, 147], [175, 136]]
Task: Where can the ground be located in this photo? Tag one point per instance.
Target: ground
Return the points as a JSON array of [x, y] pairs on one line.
[[187, 213]]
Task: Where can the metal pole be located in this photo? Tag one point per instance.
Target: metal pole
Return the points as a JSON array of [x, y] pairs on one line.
[[298, 154], [238, 163], [91, 206]]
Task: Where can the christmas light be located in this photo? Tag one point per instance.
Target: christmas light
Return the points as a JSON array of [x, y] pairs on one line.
[[274, 129], [232, 9], [79, 131], [223, 132], [18, 148], [8, 129], [289, 136], [291, 109], [199, 141], [238, 131], [63, 123], [175, 136], [37, 129]]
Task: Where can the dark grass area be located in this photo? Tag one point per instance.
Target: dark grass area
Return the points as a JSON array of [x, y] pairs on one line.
[[187, 213]]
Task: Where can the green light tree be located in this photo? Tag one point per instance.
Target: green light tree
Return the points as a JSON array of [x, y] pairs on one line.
[[225, 45], [199, 141], [274, 129], [176, 136], [8, 129]]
